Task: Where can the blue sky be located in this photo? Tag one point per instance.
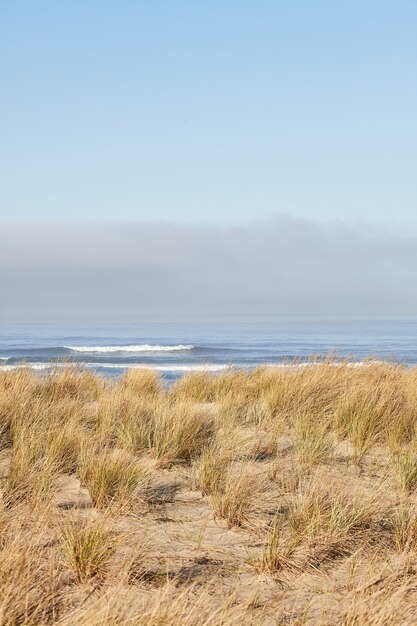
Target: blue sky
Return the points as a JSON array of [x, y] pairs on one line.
[[215, 112]]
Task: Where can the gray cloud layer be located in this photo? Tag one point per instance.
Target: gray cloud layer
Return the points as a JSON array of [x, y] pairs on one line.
[[283, 266]]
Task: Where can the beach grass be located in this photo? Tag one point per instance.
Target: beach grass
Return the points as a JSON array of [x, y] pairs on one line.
[[276, 496]]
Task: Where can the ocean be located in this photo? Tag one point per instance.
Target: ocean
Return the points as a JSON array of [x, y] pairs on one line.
[[174, 349]]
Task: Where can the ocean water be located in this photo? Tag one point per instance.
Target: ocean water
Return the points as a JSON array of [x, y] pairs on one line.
[[175, 349]]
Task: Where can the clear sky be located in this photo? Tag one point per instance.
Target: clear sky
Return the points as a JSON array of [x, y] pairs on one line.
[[219, 112]]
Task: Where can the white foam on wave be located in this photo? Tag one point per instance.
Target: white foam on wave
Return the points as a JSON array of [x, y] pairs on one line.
[[32, 366], [303, 364], [200, 367], [139, 348], [121, 366], [163, 368]]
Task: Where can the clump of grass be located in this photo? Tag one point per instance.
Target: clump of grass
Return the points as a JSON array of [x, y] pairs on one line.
[[29, 593], [209, 470], [239, 496], [331, 524], [313, 510], [263, 445], [405, 465], [258, 414], [46, 437], [197, 387], [72, 382], [134, 427], [170, 430], [180, 431], [88, 548], [276, 550], [405, 527], [32, 472], [233, 411], [114, 478], [357, 417], [110, 412], [63, 446], [312, 440], [30, 482], [142, 383], [271, 560], [235, 383]]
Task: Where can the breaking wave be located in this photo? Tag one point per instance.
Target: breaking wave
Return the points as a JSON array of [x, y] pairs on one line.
[[180, 367], [121, 366], [145, 347]]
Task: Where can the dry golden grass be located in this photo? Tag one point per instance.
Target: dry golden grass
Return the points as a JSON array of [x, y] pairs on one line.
[[312, 440], [142, 383], [405, 465], [405, 527], [114, 478], [179, 431], [277, 496], [239, 494], [87, 547]]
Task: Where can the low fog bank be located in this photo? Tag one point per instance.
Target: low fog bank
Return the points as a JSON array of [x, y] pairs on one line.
[[278, 267]]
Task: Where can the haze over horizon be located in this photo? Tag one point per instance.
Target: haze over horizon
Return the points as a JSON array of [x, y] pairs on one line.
[[282, 266]]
